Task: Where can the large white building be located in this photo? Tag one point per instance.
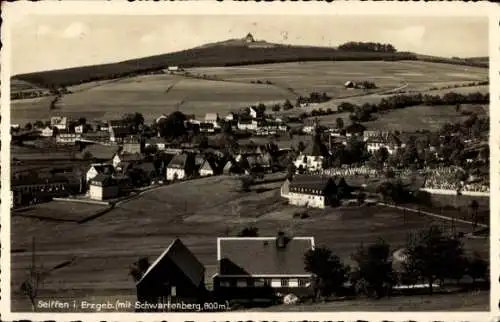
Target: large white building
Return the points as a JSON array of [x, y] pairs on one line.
[[390, 142], [308, 191]]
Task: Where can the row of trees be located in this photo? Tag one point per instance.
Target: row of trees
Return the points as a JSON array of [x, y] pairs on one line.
[[429, 257], [314, 97], [363, 113], [367, 46]]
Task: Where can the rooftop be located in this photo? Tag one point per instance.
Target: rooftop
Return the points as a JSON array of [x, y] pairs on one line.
[[237, 255]]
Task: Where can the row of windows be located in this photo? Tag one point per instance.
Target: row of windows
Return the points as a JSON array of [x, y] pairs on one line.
[[265, 282], [42, 188]]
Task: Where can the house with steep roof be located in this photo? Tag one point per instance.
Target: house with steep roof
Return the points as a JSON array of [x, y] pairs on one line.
[[176, 276], [260, 267], [120, 129], [390, 142], [97, 152], [311, 159], [99, 168], [255, 112], [126, 157], [181, 167], [207, 168], [103, 187], [212, 118]]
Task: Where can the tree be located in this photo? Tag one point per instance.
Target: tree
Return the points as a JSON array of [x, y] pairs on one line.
[[374, 268], [474, 206], [28, 126], [329, 272], [38, 124], [433, 255], [250, 231], [246, 182], [287, 105], [301, 147], [173, 126], [138, 268], [477, 268], [276, 108], [339, 123], [290, 170]]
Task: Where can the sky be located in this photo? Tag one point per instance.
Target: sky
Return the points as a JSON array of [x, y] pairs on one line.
[[44, 42]]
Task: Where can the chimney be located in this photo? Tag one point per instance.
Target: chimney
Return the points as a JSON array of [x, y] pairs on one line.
[[281, 240]]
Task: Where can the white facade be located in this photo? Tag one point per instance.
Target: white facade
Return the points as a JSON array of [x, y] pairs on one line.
[[247, 126], [101, 193], [173, 173], [309, 129], [47, 132], [67, 138], [206, 170], [375, 146], [308, 162], [79, 129], [60, 122], [91, 174], [116, 160], [306, 200]]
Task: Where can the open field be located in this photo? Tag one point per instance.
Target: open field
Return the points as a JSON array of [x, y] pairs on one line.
[[198, 212], [330, 77], [412, 118], [62, 211], [153, 95]]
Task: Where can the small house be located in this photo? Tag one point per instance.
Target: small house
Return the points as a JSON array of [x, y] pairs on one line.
[[176, 276], [180, 167], [47, 132], [103, 187], [126, 157], [212, 118], [309, 191], [59, 122], [207, 169], [255, 112], [261, 267], [99, 168]]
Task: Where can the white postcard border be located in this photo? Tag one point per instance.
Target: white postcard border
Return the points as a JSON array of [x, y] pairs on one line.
[[12, 10]]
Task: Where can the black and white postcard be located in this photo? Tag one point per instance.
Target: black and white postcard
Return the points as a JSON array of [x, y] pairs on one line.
[[285, 161]]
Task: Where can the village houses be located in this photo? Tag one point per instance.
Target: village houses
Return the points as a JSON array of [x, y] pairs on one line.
[[103, 187]]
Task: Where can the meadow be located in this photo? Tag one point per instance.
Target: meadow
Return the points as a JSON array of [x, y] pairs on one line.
[[100, 251], [153, 95]]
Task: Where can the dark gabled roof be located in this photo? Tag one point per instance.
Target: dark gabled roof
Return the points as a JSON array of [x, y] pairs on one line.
[[261, 256], [130, 157], [178, 254], [106, 169], [309, 183], [180, 161], [147, 167], [102, 152]]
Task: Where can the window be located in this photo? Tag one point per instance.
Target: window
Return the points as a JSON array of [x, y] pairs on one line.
[[224, 283], [284, 282], [303, 282], [259, 283], [267, 282], [241, 283], [173, 291], [293, 282]]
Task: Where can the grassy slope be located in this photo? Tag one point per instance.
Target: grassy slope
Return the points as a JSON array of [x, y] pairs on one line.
[[106, 246], [229, 53]]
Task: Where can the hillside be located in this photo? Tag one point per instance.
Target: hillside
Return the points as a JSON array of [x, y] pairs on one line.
[[231, 52]]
